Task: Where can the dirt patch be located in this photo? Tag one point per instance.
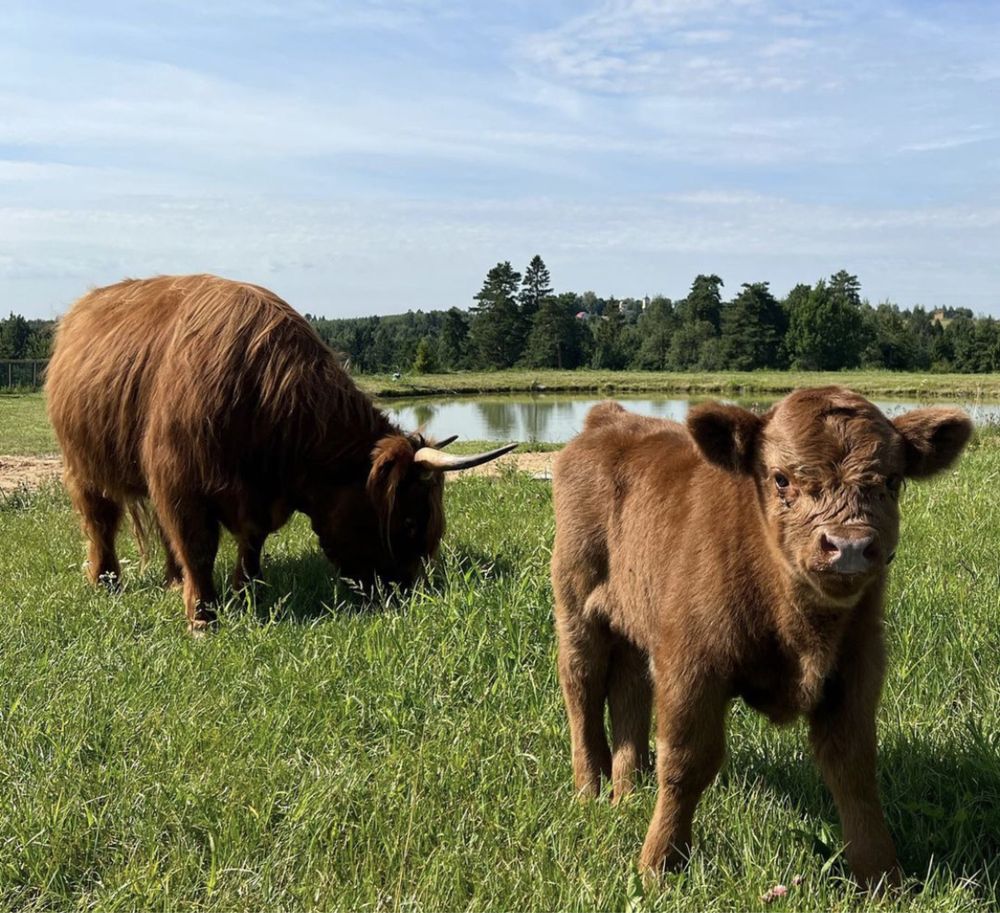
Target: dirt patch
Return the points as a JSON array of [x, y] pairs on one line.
[[537, 464], [34, 471], [27, 471]]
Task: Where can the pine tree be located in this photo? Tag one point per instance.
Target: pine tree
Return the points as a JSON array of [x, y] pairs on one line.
[[557, 337], [608, 351], [497, 331], [453, 345], [423, 360], [535, 287], [704, 301], [15, 337], [753, 325]]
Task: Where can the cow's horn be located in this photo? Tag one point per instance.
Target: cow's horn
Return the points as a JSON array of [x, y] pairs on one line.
[[433, 458], [440, 445]]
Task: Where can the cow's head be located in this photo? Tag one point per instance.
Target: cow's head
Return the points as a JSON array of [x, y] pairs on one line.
[[389, 526], [829, 468]]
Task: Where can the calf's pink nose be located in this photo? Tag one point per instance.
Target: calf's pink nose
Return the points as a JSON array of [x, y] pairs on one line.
[[850, 554]]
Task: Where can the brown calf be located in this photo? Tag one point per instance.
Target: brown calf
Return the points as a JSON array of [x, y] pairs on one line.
[[741, 556]]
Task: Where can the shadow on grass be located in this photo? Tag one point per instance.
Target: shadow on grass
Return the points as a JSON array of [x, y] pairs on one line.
[[942, 803], [305, 588]]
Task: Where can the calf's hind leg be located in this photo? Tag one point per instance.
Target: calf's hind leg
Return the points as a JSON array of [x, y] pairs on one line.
[[630, 699], [101, 517], [584, 648]]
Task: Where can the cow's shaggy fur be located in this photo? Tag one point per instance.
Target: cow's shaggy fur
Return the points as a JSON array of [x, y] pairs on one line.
[[740, 556], [219, 403]]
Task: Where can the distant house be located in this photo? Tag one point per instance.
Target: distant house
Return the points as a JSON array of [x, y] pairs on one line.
[[581, 315], [939, 317]]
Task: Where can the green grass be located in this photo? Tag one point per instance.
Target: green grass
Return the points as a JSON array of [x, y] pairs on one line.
[[24, 427], [747, 383], [318, 753]]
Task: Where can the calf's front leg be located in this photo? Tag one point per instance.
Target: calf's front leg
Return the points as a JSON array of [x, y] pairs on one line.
[[843, 737], [690, 748]]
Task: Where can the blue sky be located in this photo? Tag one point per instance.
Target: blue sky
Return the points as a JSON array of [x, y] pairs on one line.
[[370, 157]]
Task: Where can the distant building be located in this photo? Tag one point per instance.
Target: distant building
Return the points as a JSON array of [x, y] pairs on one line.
[[581, 315]]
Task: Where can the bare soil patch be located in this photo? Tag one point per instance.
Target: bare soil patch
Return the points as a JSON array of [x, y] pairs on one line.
[[34, 471], [28, 471]]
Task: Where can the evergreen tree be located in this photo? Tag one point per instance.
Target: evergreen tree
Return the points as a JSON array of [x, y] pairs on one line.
[[824, 330], [15, 337], [608, 350], [423, 360], [535, 288], [497, 330], [753, 326], [688, 343], [656, 326], [557, 338], [453, 346], [704, 301]]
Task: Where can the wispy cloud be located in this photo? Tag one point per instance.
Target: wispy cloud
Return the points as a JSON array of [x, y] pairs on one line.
[[374, 155]]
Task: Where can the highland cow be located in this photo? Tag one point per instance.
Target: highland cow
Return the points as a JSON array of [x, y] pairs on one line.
[[214, 402], [742, 556]]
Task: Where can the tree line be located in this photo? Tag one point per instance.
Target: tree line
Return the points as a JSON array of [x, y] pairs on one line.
[[519, 320]]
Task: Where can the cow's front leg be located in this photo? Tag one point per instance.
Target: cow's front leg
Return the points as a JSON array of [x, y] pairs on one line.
[[842, 733], [247, 570], [690, 747], [193, 535]]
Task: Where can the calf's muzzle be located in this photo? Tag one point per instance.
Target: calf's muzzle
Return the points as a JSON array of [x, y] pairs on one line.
[[849, 551]]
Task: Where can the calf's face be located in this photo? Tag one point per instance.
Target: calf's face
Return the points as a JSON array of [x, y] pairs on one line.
[[829, 468]]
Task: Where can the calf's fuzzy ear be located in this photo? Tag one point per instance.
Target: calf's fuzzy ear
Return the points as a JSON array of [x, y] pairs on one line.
[[726, 435], [933, 438]]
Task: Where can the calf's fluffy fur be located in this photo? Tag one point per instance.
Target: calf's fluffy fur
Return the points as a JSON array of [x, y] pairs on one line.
[[740, 556]]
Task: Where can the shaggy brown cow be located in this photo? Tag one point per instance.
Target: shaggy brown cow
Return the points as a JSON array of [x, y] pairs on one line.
[[220, 403], [741, 556]]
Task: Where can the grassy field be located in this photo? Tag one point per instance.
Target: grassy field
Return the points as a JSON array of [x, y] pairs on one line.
[[24, 428], [322, 753], [872, 383]]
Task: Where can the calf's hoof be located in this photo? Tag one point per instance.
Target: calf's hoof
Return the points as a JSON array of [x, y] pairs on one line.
[[880, 881]]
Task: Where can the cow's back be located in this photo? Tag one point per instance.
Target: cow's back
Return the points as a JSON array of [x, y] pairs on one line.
[[108, 350], [201, 366]]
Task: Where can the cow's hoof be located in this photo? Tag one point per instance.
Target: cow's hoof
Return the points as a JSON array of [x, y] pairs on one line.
[[204, 622]]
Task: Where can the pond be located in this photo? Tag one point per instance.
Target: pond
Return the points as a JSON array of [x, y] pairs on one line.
[[556, 418]]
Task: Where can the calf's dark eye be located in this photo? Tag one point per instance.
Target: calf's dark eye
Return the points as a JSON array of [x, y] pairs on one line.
[[781, 481]]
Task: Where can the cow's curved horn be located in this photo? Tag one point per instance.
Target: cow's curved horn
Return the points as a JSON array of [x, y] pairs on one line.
[[440, 445], [433, 458]]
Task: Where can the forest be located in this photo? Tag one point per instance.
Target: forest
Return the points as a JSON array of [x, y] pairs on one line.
[[519, 320]]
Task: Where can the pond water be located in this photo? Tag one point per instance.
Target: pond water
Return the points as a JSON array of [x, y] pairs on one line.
[[553, 417]]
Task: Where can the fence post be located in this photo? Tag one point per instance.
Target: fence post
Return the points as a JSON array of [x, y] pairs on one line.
[[10, 375]]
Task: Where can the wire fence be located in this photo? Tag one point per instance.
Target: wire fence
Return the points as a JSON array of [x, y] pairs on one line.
[[22, 373]]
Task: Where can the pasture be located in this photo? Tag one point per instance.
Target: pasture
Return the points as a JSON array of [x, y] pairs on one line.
[[321, 752]]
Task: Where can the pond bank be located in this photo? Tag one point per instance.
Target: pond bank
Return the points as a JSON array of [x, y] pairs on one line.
[[734, 384]]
